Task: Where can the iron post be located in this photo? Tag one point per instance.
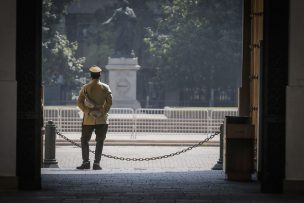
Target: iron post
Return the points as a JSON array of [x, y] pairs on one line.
[[50, 146], [219, 164]]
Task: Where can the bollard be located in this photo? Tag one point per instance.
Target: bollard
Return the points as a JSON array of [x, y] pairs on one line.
[[50, 146], [219, 164]]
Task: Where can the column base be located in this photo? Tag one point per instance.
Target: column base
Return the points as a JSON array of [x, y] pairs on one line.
[[8, 182], [294, 186], [218, 166], [236, 176]]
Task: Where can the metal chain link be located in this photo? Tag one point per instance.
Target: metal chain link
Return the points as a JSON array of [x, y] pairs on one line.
[[147, 158]]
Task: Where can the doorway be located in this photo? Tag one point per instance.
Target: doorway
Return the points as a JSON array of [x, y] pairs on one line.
[[29, 93]]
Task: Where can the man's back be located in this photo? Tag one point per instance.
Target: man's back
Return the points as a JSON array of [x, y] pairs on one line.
[[97, 91], [100, 94]]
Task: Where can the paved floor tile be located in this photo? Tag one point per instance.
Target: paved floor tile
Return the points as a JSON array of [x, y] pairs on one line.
[[201, 158], [183, 179]]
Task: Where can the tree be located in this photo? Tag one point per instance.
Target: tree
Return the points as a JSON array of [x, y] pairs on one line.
[[196, 46], [59, 60], [60, 66]]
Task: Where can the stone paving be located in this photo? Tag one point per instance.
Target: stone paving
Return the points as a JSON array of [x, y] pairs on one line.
[[201, 158], [144, 187], [182, 179], [147, 139]]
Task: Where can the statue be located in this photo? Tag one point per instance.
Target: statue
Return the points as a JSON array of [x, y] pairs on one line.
[[124, 20]]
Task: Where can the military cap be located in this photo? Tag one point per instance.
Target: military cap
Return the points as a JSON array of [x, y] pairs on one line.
[[95, 69]]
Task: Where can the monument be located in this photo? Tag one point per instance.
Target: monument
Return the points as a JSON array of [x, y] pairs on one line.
[[123, 64], [122, 80]]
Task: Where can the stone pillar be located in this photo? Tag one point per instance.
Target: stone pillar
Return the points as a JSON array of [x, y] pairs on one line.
[[8, 88], [244, 90], [294, 175], [272, 107], [122, 81], [29, 88]]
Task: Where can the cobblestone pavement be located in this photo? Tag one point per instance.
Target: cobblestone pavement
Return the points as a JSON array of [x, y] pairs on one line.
[[182, 179], [145, 187]]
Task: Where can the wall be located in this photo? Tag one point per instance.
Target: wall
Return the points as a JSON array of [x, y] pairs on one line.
[[295, 100], [8, 88]]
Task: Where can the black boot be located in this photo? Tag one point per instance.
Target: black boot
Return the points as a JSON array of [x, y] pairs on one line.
[[84, 165], [96, 166]]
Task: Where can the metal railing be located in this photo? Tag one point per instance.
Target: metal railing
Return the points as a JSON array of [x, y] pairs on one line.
[[145, 121]]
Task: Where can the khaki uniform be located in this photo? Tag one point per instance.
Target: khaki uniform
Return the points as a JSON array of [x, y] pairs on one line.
[[101, 95]]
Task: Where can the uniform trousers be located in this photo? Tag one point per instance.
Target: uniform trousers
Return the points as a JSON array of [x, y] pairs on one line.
[[86, 134]]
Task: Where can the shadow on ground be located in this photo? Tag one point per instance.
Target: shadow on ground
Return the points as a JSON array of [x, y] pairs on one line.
[[145, 186]]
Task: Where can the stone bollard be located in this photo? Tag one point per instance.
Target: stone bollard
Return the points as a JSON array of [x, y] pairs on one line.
[[219, 164], [50, 146]]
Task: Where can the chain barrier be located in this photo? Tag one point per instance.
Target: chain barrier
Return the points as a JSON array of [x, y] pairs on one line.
[[147, 158]]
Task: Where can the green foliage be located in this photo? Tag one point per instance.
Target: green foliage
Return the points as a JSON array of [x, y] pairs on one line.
[[52, 11], [196, 44], [59, 61], [172, 43], [60, 64]]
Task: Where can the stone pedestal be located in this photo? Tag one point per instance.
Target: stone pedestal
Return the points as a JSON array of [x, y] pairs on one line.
[[122, 81]]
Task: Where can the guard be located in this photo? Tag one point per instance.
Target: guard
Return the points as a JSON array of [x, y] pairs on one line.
[[95, 100]]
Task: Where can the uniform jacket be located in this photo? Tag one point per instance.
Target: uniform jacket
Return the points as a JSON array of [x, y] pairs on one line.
[[101, 95]]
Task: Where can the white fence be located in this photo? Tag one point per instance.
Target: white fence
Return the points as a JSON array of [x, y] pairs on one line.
[[146, 121]]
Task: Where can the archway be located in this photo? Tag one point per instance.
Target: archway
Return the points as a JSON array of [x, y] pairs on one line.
[[29, 113]]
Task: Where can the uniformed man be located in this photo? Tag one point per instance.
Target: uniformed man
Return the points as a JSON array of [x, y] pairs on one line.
[[95, 100]]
